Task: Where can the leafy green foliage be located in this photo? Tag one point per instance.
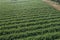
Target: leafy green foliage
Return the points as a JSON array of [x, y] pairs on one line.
[[28, 20]]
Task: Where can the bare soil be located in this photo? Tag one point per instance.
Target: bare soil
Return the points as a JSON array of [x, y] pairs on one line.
[[53, 4]]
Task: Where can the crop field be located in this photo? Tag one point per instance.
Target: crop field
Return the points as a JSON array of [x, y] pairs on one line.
[[28, 20]]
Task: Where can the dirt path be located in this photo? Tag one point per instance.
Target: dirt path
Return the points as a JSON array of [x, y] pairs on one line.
[[53, 4]]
